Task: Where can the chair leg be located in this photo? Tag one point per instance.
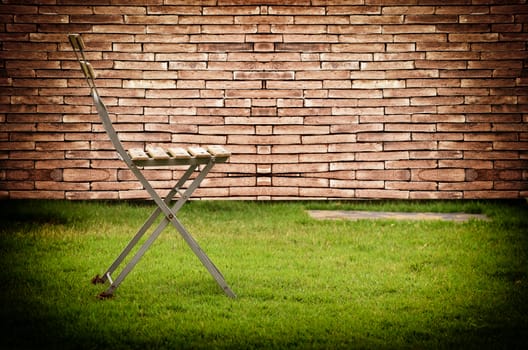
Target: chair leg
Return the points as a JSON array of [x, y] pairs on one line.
[[148, 223], [206, 261], [213, 270], [171, 217], [139, 254]]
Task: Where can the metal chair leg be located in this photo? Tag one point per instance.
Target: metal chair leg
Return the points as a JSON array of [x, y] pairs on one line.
[[171, 218], [148, 223]]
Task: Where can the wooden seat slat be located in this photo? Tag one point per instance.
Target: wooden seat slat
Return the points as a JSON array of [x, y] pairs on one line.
[[199, 152], [218, 151], [169, 156], [179, 153], [138, 154], [157, 152]]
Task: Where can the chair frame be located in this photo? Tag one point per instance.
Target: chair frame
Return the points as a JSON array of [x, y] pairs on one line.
[[168, 206]]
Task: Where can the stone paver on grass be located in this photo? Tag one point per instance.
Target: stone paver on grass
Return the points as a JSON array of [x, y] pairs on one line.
[[364, 215]]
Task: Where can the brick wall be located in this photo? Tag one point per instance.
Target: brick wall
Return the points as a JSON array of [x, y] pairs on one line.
[[316, 99]]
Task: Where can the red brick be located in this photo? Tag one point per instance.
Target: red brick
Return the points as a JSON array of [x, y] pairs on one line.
[[465, 145], [355, 128], [93, 195], [263, 120], [231, 10], [266, 140], [79, 175], [264, 75], [263, 57], [264, 38], [302, 47], [264, 20], [217, 38], [514, 36], [385, 194], [443, 175], [386, 19], [411, 186], [487, 18], [322, 20], [355, 48], [320, 75], [356, 184], [44, 18], [355, 31], [410, 28], [263, 47], [263, 111], [488, 37], [264, 66], [298, 84], [263, 93], [410, 164], [171, 48], [402, 175], [387, 65], [450, 55], [326, 193], [422, 101], [406, 10], [98, 18], [417, 38], [280, 29], [131, 10], [436, 154], [348, 7], [305, 149], [436, 18], [335, 139], [436, 195], [378, 84], [464, 109], [384, 156], [463, 91]]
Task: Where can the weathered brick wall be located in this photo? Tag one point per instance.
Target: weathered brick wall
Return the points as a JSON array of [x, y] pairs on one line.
[[316, 99]]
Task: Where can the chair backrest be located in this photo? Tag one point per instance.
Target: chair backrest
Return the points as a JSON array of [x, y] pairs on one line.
[[78, 47]]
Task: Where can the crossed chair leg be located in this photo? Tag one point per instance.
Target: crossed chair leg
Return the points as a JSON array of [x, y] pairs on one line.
[[170, 218]]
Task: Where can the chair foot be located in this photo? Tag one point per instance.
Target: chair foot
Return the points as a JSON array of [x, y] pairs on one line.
[[229, 293], [98, 279], [105, 295]]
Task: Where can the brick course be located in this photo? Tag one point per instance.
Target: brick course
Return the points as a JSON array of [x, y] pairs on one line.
[[317, 99]]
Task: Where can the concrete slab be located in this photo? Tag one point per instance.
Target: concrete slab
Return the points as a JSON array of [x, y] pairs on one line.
[[376, 215]]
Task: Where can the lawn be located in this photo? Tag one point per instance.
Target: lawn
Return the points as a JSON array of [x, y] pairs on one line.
[[301, 283]]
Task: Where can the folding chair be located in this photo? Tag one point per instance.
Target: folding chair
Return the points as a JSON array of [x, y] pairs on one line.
[[193, 157]]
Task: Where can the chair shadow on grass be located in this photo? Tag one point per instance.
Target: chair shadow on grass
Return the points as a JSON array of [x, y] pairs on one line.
[[15, 213]]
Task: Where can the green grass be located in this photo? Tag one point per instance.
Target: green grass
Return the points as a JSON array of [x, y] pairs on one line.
[[301, 283]]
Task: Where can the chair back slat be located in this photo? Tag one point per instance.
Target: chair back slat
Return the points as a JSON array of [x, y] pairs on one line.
[[88, 70], [76, 41], [109, 127], [89, 73]]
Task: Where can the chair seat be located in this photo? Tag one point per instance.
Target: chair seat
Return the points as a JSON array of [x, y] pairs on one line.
[[161, 156]]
